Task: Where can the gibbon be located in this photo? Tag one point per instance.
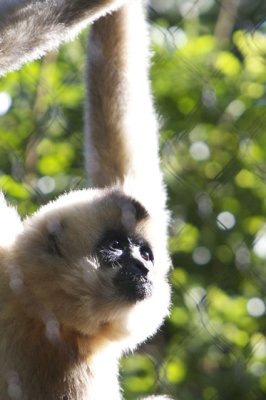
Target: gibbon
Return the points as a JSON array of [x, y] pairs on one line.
[[84, 279]]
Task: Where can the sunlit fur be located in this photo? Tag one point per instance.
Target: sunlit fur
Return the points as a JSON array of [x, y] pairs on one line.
[[60, 312], [64, 322], [30, 28]]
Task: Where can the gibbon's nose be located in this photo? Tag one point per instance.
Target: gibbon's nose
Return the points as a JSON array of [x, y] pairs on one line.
[[137, 267]]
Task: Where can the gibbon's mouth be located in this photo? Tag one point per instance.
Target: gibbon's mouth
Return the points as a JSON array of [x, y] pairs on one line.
[[132, 282]]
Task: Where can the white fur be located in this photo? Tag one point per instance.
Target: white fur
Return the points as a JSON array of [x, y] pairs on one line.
[[11, 224]]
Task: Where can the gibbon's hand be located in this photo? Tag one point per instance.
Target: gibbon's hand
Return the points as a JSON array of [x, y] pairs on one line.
[[30, 28]]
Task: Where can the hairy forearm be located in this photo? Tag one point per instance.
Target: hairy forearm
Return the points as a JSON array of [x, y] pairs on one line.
[[30, 28], [120, 113]]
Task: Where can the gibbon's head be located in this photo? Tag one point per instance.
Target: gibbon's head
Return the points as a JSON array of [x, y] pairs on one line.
[[94, 258]]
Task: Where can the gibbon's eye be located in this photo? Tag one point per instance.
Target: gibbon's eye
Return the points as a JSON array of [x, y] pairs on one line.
[[116, 244], [146, 253]]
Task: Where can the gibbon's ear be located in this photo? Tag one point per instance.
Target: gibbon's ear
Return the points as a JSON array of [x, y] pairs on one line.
[[53, 239]]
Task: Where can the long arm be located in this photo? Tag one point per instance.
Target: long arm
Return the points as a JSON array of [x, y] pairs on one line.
[[121, 138], [30, 28]]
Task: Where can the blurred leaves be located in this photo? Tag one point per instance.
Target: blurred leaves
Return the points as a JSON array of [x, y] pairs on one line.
[[42, 129], [212, 98]]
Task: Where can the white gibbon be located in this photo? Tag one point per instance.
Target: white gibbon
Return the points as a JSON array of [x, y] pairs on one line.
[[84, 279]]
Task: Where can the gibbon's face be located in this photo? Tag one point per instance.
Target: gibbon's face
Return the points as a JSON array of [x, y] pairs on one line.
[[91, 257], [131, 257]]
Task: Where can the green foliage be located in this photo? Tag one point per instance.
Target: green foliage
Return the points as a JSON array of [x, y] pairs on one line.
[[211, 96], [213, 149], [41, 135]]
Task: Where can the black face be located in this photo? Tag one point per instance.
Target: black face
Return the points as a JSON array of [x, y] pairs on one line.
[[133, 260]]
